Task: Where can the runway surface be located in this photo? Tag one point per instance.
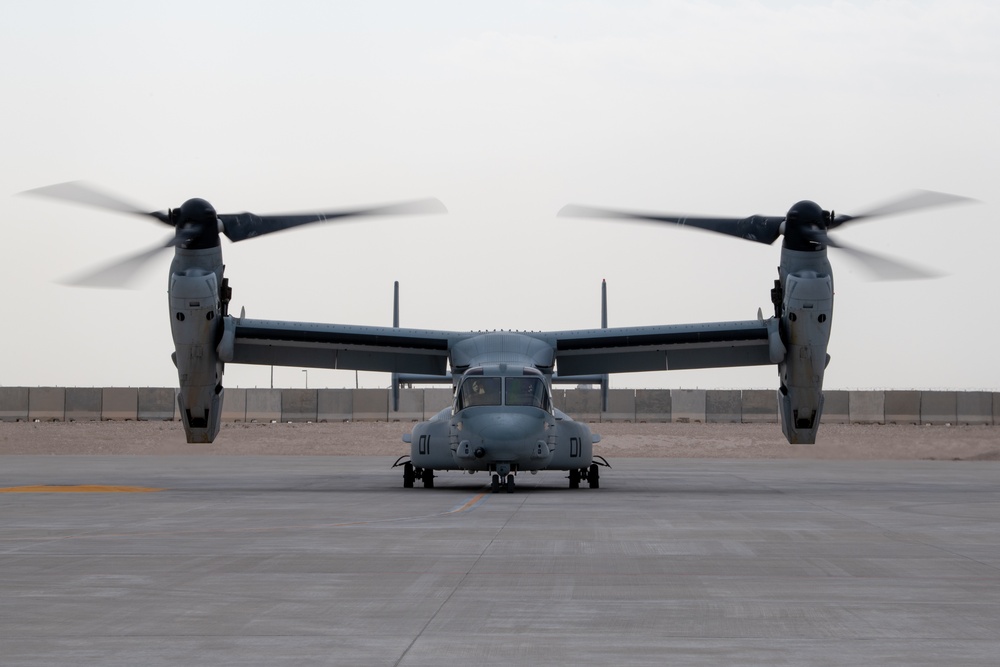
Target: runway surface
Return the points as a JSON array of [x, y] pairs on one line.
[[328, 560]]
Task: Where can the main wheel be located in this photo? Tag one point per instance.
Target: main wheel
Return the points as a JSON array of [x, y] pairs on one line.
[[510, 483], [495, 484], [594, 476], [574, 479], [408, 476], [428, 478]]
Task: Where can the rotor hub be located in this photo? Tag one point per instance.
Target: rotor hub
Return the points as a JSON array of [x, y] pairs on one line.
[[805, 226], [197, 224]]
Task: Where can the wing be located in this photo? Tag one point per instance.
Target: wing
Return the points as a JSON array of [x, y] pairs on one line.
[[365, 348], [665, 347]]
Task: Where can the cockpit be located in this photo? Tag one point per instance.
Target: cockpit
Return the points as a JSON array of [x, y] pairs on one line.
[[526, 389]]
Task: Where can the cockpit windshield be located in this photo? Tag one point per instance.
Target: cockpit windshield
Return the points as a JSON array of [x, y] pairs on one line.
[[481, 391], [520, 391], [528, 391]]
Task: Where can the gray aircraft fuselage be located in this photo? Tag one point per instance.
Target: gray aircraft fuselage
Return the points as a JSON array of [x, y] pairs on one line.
[[502, 421]]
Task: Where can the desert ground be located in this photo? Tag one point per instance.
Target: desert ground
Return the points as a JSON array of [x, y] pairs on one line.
[[618, 440]]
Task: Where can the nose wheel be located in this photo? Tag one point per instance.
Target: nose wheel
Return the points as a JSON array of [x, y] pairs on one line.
[[507, 483]]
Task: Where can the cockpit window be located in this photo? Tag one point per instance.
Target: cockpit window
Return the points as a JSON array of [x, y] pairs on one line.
[[529, 391], [481, 391]]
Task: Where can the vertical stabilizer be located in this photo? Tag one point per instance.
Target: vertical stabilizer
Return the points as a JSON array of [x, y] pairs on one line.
[[604, 325], [395, 325]]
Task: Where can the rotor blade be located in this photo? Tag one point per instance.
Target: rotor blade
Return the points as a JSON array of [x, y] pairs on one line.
[[119, 273], [759, 228], [918, 199], [79, 192], [242, 226], [881, 267]]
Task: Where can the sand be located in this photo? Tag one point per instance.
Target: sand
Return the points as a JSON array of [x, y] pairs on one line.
[[619, 440]]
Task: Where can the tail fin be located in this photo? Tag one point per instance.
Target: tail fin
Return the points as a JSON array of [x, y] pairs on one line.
[[604, 325], [395, 325]]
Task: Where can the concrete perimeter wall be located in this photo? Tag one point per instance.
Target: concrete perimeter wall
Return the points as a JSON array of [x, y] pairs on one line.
[[746, 406]]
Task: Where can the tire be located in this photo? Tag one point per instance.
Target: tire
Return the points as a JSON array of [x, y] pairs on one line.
[[594, 476], [408, 476]]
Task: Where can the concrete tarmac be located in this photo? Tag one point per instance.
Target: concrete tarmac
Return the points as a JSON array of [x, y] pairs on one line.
[[329, 561]]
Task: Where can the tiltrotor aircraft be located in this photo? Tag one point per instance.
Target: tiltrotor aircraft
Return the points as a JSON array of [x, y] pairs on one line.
[[502, 421]]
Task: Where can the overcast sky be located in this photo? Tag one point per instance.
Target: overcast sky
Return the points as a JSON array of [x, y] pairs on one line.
[[505, 111]]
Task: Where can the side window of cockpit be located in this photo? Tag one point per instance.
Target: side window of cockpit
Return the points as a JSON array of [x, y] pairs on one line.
[[480, 391]]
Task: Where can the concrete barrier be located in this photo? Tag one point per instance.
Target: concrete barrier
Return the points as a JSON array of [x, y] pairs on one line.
[[867, 407], [411, 406], [119, 403], [83, 404], [436, 399], [298, 405], [46, 404], [687, 406], [836, 407], [723, 406], [975, 408], [234, 405], [582, 404], [371, 405], [13, 404], [902, 407], [649, 405], [263, 405], [559, 399], [156, 404], [335, 405], [760, 406], [652, 405], [621, 406], [938, 407]]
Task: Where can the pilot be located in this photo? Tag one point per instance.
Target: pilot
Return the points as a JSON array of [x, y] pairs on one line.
[[528, 389], [520, 392]]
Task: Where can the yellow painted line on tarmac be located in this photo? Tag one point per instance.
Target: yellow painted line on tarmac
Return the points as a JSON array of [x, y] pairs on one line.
[[472, 502], [78, 488]]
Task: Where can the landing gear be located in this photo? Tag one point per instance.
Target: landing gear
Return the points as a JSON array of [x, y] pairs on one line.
[[508, 483], [591, 473], [594, 476], [411, 474]]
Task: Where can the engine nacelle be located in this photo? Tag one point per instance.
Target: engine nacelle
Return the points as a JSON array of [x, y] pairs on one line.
[[806, 317], [808, 312], [195, 323]]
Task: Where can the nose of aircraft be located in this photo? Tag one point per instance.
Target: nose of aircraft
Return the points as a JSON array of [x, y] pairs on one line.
[[509, 426]]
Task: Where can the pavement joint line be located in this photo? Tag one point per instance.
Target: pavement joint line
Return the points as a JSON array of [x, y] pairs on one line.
[[461, 582], [78, 488], [473, 502]]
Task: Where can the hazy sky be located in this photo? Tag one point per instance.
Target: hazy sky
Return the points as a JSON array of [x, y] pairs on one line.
[[505, 111]]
